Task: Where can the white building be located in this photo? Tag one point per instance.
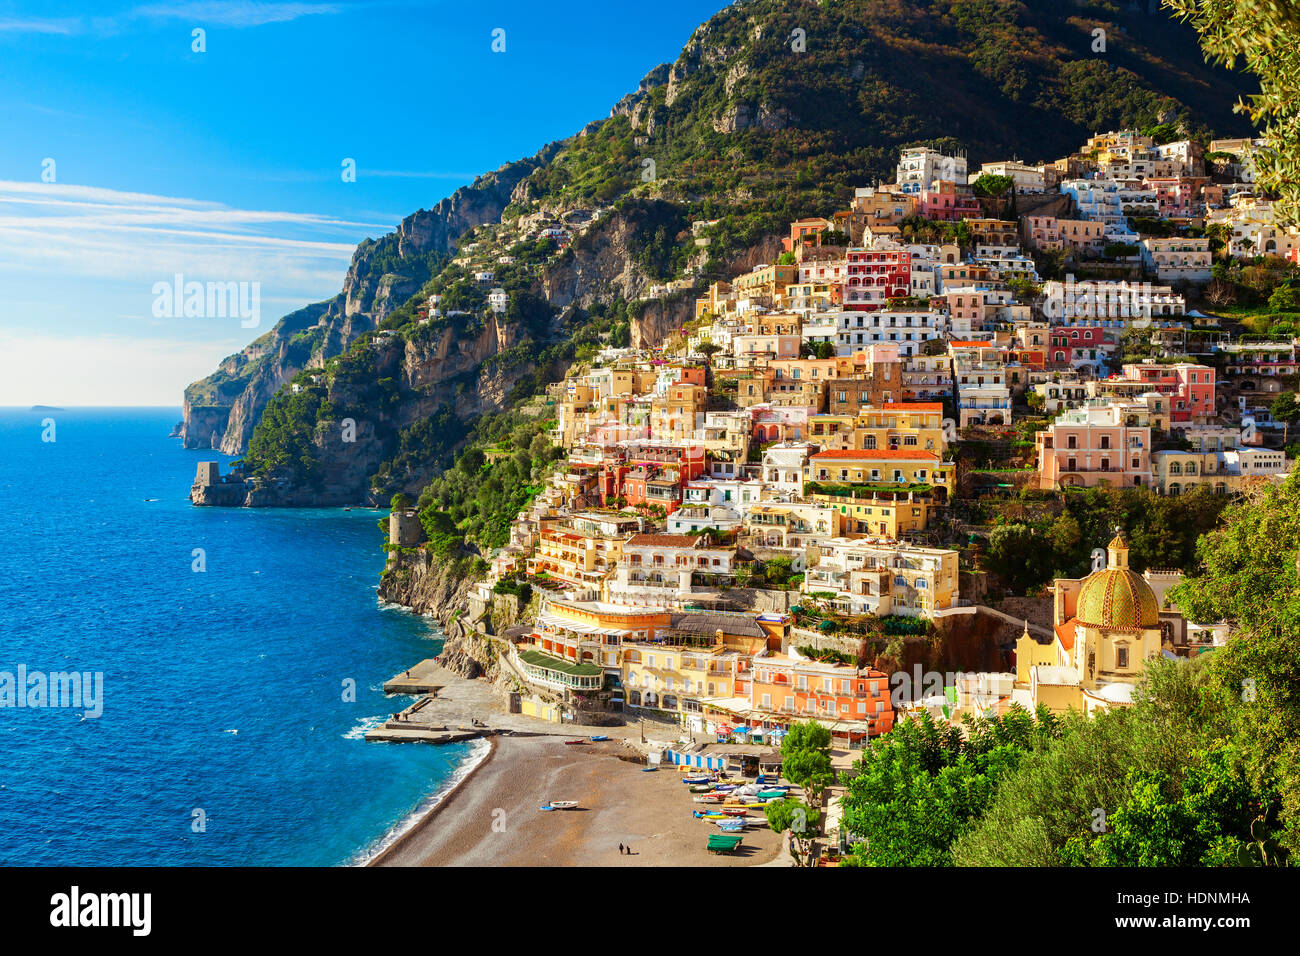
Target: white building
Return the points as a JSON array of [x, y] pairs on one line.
[[920, 166]]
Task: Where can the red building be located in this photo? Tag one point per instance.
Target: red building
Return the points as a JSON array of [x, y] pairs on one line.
[[1076, 345], [875, 276], [652, 474]]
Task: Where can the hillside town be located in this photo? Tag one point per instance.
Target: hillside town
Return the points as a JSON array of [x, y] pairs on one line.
[[749, 525]]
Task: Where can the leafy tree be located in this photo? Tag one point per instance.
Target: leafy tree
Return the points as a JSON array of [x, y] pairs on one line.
[[1285, 298], [991, 186], [1261, 35], [797, 818], [806, 759], [924, 785]]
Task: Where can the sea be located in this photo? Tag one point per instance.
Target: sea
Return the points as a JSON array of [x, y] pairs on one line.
[[240, 653]]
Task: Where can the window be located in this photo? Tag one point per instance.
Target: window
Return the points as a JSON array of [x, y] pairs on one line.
[[1121, 657]]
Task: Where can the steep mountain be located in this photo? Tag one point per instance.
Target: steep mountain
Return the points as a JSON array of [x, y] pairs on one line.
[[774, 110], [221, 410]]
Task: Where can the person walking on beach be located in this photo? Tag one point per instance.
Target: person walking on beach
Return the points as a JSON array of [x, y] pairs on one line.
[[620, 849]]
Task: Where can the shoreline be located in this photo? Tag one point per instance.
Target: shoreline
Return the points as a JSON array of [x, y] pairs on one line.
[[441, 799]]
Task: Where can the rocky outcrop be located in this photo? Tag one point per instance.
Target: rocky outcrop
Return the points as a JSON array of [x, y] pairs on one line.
[[442, 590], [659, 318], [221, 410]]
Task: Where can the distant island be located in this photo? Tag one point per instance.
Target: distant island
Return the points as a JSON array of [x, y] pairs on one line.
[[47, 408]]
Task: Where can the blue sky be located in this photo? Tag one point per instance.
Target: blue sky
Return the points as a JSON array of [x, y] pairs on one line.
[[127, 157]]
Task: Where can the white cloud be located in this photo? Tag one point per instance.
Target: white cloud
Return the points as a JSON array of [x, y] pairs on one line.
[[78, 266], [59, 27], [235, 14], [70, 231]]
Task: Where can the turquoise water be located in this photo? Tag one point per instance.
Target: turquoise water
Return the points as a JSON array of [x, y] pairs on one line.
[[222, 690]]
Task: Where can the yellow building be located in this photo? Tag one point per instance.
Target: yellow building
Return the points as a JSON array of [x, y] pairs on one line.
[[768, 281], [901, 426], [885, 514], [885, 470]]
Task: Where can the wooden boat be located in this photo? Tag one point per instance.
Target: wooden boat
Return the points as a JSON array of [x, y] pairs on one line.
[[564, 804], [735, 811], [698, 778], [701, 788], [649, 769], [771, 794], [580, 740]]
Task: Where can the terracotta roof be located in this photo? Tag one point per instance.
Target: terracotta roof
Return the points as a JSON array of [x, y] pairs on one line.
[[876, 454], [662, 540], [913, 406], [1065, 633]]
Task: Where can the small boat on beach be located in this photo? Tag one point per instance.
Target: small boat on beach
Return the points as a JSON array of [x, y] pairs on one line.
[[649, 769], [697, 779], [564, 804], [708, 798], [598, 737], [735, 811], [580, 740]]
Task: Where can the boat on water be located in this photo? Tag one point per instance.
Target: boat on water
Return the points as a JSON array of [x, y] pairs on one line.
[[564, 804]]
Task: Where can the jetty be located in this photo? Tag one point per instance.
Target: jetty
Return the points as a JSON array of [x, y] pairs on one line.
[[451, 709]]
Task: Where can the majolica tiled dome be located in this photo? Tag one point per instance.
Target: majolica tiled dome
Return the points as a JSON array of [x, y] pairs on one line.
[[1116, 597]]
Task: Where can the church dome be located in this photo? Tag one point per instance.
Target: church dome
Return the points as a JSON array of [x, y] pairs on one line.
[[1117, 597]]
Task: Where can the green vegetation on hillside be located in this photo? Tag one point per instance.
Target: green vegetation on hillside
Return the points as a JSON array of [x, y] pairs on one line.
[[1162, 532]]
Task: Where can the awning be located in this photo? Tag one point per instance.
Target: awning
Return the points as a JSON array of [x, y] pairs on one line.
[[565, 624]]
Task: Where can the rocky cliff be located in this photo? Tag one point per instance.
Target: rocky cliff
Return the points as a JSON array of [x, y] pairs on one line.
[[221, 410]]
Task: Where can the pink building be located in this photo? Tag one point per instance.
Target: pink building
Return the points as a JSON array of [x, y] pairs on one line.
[[1190, 387], [1178, 197], [1090, 446], [944, 200]]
